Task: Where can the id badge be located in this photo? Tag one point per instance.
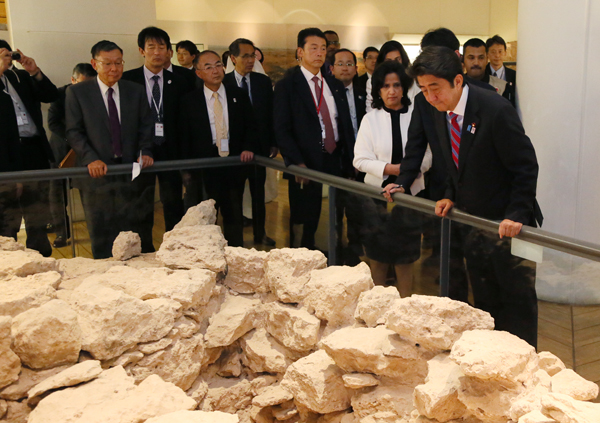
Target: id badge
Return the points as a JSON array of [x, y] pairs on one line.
[[159, 129], [225, 145], [22, 119], [323, 132]]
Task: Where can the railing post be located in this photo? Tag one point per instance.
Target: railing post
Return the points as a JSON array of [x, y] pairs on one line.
[[70, 197], [332, 259], [445, 258]]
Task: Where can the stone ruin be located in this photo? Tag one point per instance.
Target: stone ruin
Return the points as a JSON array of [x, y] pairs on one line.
[[202, 332]]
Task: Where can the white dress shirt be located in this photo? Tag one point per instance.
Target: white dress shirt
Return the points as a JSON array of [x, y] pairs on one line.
[[239, 78], [327, 96], [170, 68], [500, 73], [210, 104], [28, 129], [459, 110], [148, 75], [352, 105], [104, 90]]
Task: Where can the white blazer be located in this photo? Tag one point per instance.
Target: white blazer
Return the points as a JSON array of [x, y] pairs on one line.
[[373, 148]]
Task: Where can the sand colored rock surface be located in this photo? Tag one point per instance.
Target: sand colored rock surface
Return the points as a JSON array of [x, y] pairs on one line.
[[272, 395], [10, 244], [570, 383], [359, 380], [550, 363], [190, 247], [294, 328], [392, 398], [565, 409], [287, 271], [19, 294], [10, 364], [202, 214], [435, 322], [24, 263], [373, 304], [246, 270], [76, 270], [234, 319], [195, 417], [127, 245], [263, 353], [28, 379], [79, 373]]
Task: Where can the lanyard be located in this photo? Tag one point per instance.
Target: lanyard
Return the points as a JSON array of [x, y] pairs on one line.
[[7, 91], [318, 106], [152, 96]]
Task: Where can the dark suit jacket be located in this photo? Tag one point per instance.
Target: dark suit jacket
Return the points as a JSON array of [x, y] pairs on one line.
[[88, 126], [32, 93], [188, 75], [262, 104], [194, 124], [297, 126], [511, 74], [10, 146], [497, 166], [174, 87], [58, 126], [361, 81], [509, 90]]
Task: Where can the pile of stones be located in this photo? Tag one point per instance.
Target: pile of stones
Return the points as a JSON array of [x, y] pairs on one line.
[[202, 332]]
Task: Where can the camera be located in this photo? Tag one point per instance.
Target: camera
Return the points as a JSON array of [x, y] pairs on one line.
[[15, 55]]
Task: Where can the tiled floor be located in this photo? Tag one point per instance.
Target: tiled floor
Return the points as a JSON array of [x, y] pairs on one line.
[[570, 332]]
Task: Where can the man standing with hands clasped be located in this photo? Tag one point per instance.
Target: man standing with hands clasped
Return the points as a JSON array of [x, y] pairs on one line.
[[492, 173]]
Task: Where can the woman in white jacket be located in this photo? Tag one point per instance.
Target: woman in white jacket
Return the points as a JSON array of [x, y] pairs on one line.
[[389, 237]]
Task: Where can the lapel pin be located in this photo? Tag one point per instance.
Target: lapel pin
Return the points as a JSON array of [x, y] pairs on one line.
[[235, 100], [169, 81], [472, 126]]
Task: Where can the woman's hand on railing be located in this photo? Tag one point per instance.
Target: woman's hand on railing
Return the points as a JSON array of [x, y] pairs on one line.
[[392, 189]]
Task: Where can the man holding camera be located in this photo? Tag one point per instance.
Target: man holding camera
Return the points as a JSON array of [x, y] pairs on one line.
[[24, 146]]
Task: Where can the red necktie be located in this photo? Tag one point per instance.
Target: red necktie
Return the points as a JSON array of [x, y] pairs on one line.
[[455, 137], [329, 141]]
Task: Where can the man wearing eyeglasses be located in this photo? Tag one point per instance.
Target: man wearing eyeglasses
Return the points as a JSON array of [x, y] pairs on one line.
[[260, 91], [333, 44], [109, 122], [218, 121]]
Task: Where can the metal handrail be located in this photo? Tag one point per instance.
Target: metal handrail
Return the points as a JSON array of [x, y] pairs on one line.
[[536, 236]]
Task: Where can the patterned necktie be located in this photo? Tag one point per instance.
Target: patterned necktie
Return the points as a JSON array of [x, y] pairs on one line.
[[115, 124], [329, 141], [219, 124], [455, 137], [157, 113]]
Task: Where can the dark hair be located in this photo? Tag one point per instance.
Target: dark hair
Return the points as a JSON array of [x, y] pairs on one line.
[[153, 33], [262, 55], [390, 46], [438, 61], [369, 50], [345, 50], [4, 44], [309, 32], [378, 80], [234, 48], [84, 69], [189, 46], [496, 39], [441, 37], [475, 43], [331, 32], [104, 45], [225, 57], [204, 52]]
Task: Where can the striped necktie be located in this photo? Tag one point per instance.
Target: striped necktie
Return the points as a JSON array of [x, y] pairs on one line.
[[455, 132]]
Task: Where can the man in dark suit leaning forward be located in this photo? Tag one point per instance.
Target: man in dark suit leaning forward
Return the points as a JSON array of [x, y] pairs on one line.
[[109, 122], [313, 129], [217, 121], [492, 173]]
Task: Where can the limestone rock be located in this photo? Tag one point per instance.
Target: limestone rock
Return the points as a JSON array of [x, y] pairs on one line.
[[131, 357], [382, 417], [373, 304], [204, 213], [179, 364], [9, 244], [10, 364], [272, 395], [438, 397], [192, 247], [494, 355], [228, 395], [112, 322], [376, 350], [191, 288], [288, 270], [47, 336], [184, 328], [246, 270], [565, 409], [152, 347], [359, 380], [79, 373], [3, 408], [333, 292], [17, 412], [550, 363], [112, 397], [24, 263], [75, 270], [531, 399], [198, 390], [316, 382], [127, 245], [230, 362], [195, 417], [295, 329], [234, 319], [337, 417], [262, 353], [570, 383], [385, 398], [28, 379], [19, 294], [489, 400], [435, 322], [535, 417]]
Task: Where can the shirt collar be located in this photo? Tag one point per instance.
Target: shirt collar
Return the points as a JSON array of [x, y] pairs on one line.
[[208, 93], [148, 74], [500, 69], [170, 68], [462, 103], [309, 75], [104, 88], [350, 88]]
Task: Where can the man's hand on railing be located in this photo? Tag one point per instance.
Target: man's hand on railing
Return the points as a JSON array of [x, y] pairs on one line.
[[509, 228], [247, 156], [147, 161], [97, 169], [392, 189], [301, 180], [442, 207]]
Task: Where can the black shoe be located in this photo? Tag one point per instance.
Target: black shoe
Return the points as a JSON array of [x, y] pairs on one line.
[[49, 228], [247, 222], [265, 241], [60, 242]]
